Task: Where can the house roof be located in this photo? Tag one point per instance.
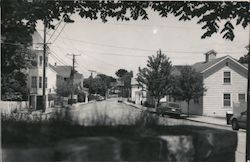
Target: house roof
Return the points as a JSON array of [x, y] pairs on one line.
[[36, 38], [177, 69], [134, 81], [65, 71], [201, 66]]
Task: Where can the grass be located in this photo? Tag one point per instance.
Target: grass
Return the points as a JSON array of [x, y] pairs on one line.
[[26, 130], [45, 134], [41, 132]]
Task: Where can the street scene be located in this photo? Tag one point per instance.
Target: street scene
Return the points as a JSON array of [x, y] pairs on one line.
[[125, 81]]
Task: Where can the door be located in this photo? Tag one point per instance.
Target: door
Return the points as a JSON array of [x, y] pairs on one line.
[[39, 102]]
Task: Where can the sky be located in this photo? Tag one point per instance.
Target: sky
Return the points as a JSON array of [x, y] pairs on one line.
[[106, 47]]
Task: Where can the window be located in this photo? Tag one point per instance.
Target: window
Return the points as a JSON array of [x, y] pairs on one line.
[[227, 77], [33, 82], [34, 61], [40, 82], [227, 99], [242, 97], [40, 60]]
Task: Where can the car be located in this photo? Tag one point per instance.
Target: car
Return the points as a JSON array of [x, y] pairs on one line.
[[120, 100], [100, 98], [239, 121], [169, 108]]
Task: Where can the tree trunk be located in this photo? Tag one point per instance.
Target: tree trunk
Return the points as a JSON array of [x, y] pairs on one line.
[[188, 107], [156, 102]]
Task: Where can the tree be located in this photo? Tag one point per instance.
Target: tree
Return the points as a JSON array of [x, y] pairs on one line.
[[14, 63], [156, 76], [19, 17], [188, 85], [121, 72], [64, 89], [207, 13], [125, 78], [244, 59], [99, 84]]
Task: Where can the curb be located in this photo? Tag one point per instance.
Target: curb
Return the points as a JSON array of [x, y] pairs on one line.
[[207, 123], [133, 105], [181, 118]]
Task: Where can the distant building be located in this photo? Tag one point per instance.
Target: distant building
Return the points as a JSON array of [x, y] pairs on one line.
[[138, 93], [55, 76], [64, 75], [35, 74]]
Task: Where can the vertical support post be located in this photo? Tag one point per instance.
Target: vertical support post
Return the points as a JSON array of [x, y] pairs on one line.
[[248, 108], [44, 65], [72, 81], [72, 76]]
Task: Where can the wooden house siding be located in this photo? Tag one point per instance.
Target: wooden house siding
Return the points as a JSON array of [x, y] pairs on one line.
[[213, 81]]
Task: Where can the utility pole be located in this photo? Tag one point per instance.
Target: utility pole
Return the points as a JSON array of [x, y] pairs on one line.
[[72, 76], [44, 64], [248, 107]]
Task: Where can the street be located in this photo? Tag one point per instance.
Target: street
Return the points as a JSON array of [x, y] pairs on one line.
[[111, 112]]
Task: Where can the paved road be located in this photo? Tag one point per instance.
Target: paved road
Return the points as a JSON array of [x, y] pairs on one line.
[[112, 112]]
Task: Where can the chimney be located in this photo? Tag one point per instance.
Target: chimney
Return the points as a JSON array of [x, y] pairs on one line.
[[210, 55]]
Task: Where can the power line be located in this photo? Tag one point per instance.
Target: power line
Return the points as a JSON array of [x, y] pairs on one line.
[[131, 55], [60, 32], [62, 62], [141, 49], [73, 47], [55, 30], [95, 58], [80, 66], [58, 58]]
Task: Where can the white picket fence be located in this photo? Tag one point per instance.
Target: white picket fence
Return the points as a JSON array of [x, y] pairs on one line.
[[7, 107]]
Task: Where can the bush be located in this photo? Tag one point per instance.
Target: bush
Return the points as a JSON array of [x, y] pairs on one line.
[[146, 119], [147, 104]]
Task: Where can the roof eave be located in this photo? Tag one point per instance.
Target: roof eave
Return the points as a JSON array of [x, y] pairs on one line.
[[227, 57]]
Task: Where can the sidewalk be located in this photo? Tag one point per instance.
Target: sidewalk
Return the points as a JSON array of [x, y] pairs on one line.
[[195, 118], [208, 120], [152, 110]]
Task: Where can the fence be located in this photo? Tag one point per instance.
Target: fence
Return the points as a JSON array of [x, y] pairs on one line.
[[8, 107]]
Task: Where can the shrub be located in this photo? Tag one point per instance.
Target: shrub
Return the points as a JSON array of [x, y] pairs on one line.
[[146, 119], [148, 104]]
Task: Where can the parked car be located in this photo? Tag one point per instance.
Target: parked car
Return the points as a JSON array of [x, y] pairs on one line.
[[120, 99], [169, 108], [100, 98], [239, 121]]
